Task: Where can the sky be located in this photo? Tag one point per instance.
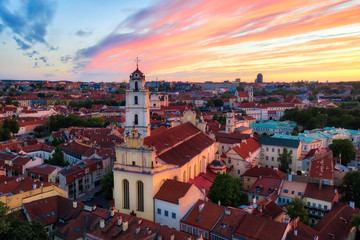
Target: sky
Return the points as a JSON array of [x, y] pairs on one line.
[[180, 40]]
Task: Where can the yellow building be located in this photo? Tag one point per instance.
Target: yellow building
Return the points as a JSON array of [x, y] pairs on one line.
[[143, 164], [30, 191]]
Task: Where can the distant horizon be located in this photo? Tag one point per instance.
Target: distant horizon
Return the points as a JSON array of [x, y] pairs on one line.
[[126, 81], [176, 40]]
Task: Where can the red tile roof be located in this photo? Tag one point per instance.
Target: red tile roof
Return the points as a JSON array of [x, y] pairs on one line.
[[42, 169], [231, 138], [266, 186], [327, 193], [258, 228], [25, 184], [203, 215], [49, 210], [322, 166], [171, 191], [258, 171], [248, 146], [229, 221], [180, 144]]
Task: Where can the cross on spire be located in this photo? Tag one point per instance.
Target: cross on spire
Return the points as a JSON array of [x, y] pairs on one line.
[[137, 60]]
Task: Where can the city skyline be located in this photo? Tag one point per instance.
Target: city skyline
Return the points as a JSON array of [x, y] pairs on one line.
[[180, 40]]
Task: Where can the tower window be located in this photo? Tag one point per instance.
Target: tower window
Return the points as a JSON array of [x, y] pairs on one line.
[[136, 100], [136, 120], [140, 193], [136, 86]]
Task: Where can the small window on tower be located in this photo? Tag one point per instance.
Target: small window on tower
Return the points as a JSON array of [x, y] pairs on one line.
[[136, 86], [136, 100], [136, 120]]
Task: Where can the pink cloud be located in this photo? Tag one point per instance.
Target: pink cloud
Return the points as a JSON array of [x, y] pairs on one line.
[[172, 38]]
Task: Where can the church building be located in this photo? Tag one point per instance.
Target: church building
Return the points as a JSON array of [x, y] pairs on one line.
[[144, 161]]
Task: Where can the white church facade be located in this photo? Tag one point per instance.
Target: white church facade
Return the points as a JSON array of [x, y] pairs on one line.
[[144, 161]]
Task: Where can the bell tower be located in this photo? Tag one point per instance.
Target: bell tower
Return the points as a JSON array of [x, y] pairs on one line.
[[137, 104]]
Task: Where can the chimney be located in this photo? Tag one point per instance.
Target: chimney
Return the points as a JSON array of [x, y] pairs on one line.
[[201, 207], [74, 204], [290, 177], [34, 186], [137, 230], [112, 212], [125, 225], [316, 237], [260, 177], [102, 223], [148, 231], [159, 238], [219, 203], [254, 203], [320, 184], [119, 222], [295, 232], [172, 237], [139, 222], [352, 205], [335, 191]]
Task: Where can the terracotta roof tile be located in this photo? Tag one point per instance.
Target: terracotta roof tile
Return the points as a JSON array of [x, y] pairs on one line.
[[203, 215], [171, 191]]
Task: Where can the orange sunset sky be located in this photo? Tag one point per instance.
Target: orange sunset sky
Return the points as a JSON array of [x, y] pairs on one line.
[[181, 40]]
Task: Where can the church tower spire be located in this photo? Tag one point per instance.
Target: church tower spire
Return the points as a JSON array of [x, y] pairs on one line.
[[137, 104]]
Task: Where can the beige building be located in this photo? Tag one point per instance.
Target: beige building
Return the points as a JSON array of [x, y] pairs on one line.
[[271, 147], [31, 190]]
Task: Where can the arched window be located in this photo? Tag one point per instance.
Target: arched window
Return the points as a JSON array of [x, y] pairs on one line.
[[140, 196], [136, 101], [136, 120], [184, 176], [195, 171], [136, 86], [126, 194]]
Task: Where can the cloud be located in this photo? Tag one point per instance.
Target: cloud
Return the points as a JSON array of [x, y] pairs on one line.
[[53, 48], [49, 75], [83, 33], [29, 21], [65, 59], [36, 65], [31, 54], [21, 44], [44, 59], [1, 27], [175, 37]]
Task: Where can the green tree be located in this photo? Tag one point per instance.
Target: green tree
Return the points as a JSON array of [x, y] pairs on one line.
[[5, 133], [355, 222], [284, 158], [8, 101], [218, 102], [95, 122], [58, 158], [4, 223], [297, 209], [12, 125], [228, 190], [344, 147], [27, 231], [107, 185], [350, 188]]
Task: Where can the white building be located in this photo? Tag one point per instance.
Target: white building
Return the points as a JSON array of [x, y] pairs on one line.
[[173, 200]]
